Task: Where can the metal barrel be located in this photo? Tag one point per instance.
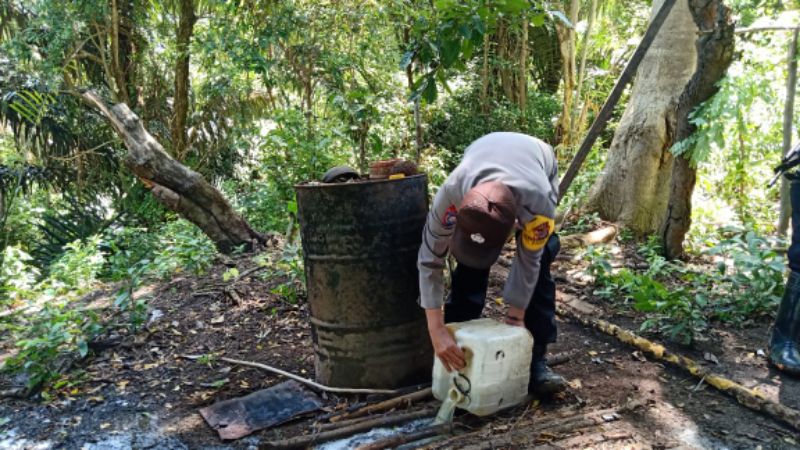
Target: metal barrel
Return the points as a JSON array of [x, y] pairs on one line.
[[360, 245]]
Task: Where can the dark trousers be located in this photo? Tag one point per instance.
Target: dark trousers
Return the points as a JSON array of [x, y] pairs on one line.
[[794, 249], [468, 295]]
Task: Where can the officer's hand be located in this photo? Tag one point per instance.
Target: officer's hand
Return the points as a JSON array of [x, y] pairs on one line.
[[515, 316], [448, 352]]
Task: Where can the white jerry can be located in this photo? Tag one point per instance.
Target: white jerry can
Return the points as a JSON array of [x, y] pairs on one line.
[[496, 376]]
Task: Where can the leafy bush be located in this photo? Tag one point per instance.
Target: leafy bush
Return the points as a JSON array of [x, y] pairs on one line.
[[17, 276], [49, 339], [750, 277], [748, 282], [79, 266], [182, 246], [456, 124]]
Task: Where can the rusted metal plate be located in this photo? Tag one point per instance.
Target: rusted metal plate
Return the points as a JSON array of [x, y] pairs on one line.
[[238, 417], [360, 245]]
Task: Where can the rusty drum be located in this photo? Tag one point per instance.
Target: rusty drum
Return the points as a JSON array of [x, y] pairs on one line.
[[360, 244]]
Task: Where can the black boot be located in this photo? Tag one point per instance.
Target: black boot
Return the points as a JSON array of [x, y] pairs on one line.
[[784, 347], [544, 381]]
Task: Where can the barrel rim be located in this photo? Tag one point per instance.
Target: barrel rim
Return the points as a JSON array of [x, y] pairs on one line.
[[306, 185]]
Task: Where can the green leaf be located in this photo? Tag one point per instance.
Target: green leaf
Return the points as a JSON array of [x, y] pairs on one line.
[[83, 348], [450, 50], [513, 6], [538, 20], [429, 92]]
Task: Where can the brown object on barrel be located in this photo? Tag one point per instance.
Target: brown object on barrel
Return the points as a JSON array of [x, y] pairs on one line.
[[381, 169], [360, 245], [407, 168]]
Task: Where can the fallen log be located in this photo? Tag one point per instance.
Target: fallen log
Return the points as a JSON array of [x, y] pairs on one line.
[[315, 438], [599, 236], [749, 398], [386, 405], [313, 384]]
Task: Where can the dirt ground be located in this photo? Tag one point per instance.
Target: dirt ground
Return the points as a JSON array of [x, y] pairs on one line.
[[137, 392]]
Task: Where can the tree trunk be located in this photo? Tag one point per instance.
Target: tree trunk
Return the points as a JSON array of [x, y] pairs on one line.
[[577, 119], [181, 100], [788, 116], [485, 75], [176, 186], [714, 56], [633, 188], [566, 37], [522, 70]]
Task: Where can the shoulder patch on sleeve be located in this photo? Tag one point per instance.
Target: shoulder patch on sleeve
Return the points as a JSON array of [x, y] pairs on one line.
[[536, 232], [449, 217]]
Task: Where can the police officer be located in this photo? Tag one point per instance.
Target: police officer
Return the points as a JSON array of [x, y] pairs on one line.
[[504, 181]]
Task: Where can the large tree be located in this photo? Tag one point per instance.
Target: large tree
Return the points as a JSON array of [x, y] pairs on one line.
[[714, 55], [633, 187]]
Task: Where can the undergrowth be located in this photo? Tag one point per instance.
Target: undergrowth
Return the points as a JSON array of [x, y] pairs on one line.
[[680, 300], [51, 320]]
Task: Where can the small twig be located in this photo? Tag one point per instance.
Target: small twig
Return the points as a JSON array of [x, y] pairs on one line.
[[206, 293], [559, 358], [313, 384], [403, 400], [400, 439], [310, 439], [700, 383]]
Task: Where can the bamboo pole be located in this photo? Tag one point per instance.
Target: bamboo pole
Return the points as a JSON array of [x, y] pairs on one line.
[[747, 397]]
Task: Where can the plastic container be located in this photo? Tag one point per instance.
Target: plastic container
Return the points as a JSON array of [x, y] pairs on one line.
[[497, 371]]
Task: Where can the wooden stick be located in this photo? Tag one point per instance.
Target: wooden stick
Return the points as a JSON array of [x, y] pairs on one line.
[[558, 424], [401, 439], [315, 438], [604, 115], [313, 384], [403, 400], [747, 397]]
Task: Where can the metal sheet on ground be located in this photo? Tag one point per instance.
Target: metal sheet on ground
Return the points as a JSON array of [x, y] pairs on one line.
[[238, 417]]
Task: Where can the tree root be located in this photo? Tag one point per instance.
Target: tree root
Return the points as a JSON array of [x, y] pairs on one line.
[[749, 398]]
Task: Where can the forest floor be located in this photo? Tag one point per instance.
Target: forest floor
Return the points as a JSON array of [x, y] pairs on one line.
[[139, 393]]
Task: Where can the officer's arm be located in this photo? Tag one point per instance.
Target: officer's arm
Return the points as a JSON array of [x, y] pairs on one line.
[[436, 235], [525, 271]]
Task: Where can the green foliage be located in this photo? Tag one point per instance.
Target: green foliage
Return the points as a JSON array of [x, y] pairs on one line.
[[58, 330], [739, 138], [680, 300], [17, 276], [182, 246], [288, 266], [56, 334], [456, 124], [447, 36], [79, 266], [751, 276]]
